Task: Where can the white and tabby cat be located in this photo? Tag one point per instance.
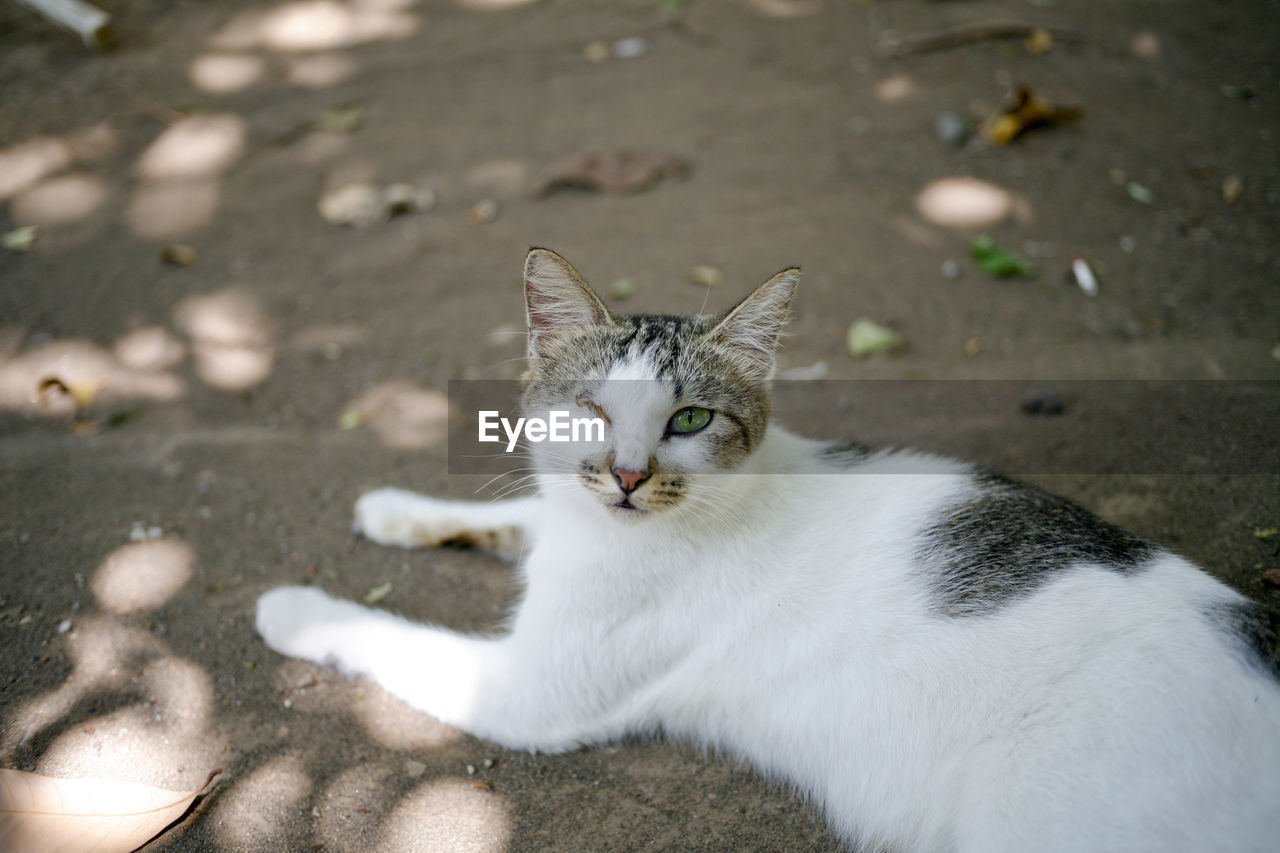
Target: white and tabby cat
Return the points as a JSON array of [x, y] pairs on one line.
[[942, 658]]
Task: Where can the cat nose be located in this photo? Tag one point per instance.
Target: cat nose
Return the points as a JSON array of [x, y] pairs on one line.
[[629, 481]]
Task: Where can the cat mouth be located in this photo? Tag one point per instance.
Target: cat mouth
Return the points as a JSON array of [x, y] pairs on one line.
[[626, 506]]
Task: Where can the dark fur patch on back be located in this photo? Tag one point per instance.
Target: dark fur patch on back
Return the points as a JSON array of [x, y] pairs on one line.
[[1255, 630], [1006, 540]]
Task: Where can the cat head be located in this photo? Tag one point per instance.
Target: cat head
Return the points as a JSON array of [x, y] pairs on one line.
[[681, 398]]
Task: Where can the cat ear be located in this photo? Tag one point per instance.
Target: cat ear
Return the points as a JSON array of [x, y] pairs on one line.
[[752, 327], [557, 299]]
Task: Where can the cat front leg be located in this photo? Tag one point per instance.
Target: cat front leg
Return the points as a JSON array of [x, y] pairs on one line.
[[409, 520], [488, 687]]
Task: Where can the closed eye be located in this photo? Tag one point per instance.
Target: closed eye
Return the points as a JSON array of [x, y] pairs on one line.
[[592, 407]]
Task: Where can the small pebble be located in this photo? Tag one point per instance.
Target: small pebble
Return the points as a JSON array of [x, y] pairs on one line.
[[953, 128], [488, 762], [974, 346], [414, 768], [1041, 400], [471, 770], [950, 269], [356, 205], [1127, 244], [630, 48], [1232, 186], [64, 626], [597, 51]]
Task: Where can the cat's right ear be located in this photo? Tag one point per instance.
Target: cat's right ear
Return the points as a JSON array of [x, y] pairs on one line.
[[557, 299]]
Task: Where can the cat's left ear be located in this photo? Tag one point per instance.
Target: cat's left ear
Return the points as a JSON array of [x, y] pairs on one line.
[[557, 299], [752, 327]]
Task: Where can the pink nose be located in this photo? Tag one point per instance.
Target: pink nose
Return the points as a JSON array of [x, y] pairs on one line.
[[628, 481]]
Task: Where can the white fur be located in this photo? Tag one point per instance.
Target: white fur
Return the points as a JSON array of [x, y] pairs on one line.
[[789, 625]]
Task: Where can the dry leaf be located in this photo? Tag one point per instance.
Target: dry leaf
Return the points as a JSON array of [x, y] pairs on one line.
[[81, 393], [39, 814], [705, 275], [180, 255], [377, 593], [1025, 111], [19, 239]]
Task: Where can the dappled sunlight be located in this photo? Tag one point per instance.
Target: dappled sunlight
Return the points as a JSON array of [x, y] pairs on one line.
[[26, 164], [310, 689], [395, 725], [101, 650], [230, 335], [351, 806], [403, 415], [965, 202], [320, 70], [165, 735], [313, 25], [445, 815], [895, 88], [59, 200], [254, 812], [785, 8], [149, 348], [142, 576], [223, 73], [168, 209], [501, 177], [491, 5], [179, 189], [83, 367], [195, 147]]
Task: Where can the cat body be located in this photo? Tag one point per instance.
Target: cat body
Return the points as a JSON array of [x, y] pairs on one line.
[[940, 658]]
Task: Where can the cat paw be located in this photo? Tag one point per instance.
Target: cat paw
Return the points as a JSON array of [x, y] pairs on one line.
[[396, 517], [298, 621]]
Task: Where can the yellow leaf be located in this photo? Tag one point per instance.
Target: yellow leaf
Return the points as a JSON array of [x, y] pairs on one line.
[[39, 814]]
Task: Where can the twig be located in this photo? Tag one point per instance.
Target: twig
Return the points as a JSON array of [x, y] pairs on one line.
[[927, 42]]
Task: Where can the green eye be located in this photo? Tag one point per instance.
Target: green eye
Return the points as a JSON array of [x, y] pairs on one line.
[[689, 420]]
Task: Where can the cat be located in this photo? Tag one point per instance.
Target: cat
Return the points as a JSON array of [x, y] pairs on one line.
[[941, 658]]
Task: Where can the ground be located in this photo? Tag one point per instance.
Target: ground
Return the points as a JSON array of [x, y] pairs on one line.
[[231, 411]]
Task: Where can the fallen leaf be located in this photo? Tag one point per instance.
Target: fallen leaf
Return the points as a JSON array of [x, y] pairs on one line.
[[867, 337], [1266, 534], [350, 420], [345, 118], [616, 173], [705, 275], [180, 255], [40, 814], [378, 593], [596, 51], [1040, 41], [1024, 111], [20, 239], [623, 288], [485, 210], [997, 262], [81, 393], [1139, 193]]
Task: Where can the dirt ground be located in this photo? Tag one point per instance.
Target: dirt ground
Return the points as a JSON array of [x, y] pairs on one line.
[[232, 410]]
